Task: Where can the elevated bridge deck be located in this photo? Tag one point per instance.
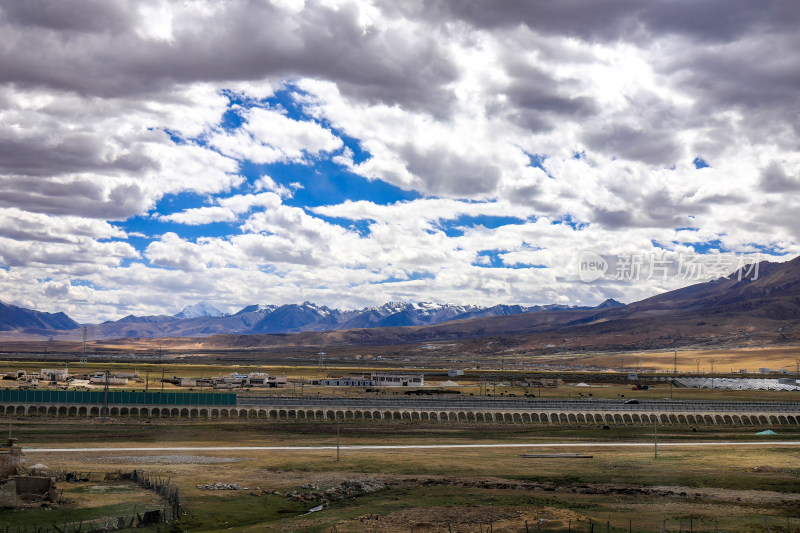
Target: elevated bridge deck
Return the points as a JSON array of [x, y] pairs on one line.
[[466, 410]]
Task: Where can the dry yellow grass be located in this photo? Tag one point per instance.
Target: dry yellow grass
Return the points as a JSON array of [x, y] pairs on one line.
[[725, 360]]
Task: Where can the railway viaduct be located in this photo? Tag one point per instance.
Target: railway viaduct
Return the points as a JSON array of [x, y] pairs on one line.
[[463, 410]]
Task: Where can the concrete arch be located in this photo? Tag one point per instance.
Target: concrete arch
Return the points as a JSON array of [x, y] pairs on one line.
[[52, 411], [41, 411], [82, 411]]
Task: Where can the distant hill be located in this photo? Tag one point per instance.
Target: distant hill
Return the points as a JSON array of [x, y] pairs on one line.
[[13, 318]]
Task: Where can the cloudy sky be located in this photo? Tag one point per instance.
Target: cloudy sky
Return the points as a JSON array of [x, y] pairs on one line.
[[156, 154]]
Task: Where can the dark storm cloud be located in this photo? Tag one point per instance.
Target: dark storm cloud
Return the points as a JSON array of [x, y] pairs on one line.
[[726, 54], [441, 169], [614, 20], [77, 15], [249, 41], [761, 79], [774, 179], [536, 100], [79, 196], [658, 209], [65, 154], [653, 146]]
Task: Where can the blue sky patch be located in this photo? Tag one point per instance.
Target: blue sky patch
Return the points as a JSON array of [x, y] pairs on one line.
[[455, 227], [492, 259], [413, 276]]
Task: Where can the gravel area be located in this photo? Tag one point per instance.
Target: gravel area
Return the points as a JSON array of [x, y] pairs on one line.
[[161, 459]]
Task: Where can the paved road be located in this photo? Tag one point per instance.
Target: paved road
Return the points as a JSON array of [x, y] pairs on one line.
[[590, 445]]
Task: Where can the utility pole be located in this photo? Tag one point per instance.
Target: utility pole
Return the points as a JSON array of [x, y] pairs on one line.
[[675, 363], [83, 353], [147, 380], [162, 380], [698, 365]]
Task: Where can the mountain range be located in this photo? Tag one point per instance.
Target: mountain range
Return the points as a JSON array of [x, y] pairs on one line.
[[204, 319], [749, 307]]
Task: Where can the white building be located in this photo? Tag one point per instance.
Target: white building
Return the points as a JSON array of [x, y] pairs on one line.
[[347, 381], [398, 380]]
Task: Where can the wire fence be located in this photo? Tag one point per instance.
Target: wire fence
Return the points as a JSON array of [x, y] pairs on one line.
[[171, 510]]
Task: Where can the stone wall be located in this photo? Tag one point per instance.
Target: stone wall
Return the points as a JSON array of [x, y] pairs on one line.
[[9, 459]]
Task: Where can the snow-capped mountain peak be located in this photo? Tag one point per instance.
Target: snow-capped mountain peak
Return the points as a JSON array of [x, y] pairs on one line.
[[200, 309], [256, 308]]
